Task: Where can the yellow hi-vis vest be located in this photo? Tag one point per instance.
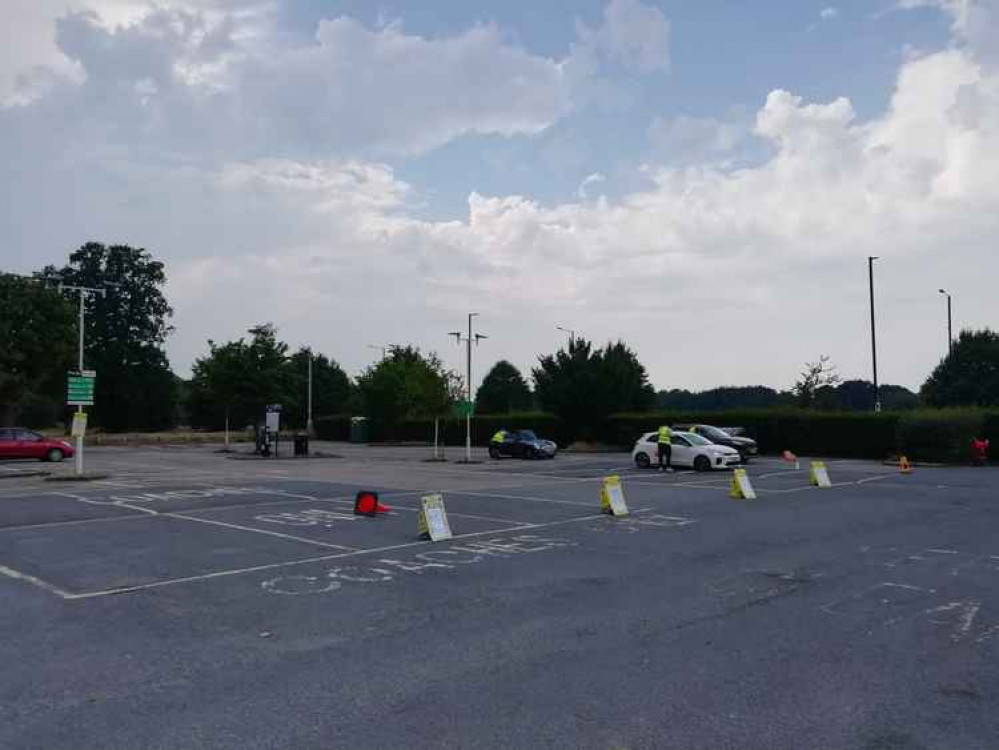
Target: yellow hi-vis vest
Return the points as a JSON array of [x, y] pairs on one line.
[[498, 437], [665, 436]]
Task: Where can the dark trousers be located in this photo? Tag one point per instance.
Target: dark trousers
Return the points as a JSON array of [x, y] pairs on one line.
[[665, 452]]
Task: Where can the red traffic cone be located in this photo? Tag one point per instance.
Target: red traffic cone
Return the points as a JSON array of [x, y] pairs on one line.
[[366, 503]]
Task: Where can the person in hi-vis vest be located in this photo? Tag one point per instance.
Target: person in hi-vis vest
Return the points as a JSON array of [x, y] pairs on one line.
[[665, 448]]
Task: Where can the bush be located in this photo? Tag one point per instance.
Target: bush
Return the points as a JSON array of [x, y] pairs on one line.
[[941, 434], [845, 434], [333, 427], [452, 431]]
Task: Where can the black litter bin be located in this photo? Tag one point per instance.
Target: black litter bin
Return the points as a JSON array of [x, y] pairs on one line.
[[302, 444]]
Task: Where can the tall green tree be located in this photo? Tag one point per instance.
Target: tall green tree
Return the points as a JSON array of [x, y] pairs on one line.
[[405, 385], [125, 332], [584, 386], [332, 390], [968, 375], [503, 390], [37, 345], [239, 379]]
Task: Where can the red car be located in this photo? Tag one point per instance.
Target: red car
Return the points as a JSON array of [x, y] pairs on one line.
[[16, 442]]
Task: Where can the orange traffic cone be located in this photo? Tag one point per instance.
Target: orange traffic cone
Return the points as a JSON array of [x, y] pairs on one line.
[[791, 459], [904, 465], [366, 504]]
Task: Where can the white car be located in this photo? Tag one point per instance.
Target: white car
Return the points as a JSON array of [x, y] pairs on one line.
[[689, 450]]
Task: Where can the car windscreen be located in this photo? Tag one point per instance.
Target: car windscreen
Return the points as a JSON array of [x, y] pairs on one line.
[[696, 439], [713, 433], [528, 435]]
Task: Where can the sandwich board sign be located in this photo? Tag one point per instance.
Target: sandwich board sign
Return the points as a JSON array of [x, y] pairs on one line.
[[820, 475], [612, 497], [432, 519], [742, 488]]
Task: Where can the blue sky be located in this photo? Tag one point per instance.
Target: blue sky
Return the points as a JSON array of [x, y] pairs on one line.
[[703, 180], [725, 57]]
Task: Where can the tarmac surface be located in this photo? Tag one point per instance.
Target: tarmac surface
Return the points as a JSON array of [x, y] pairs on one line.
[[193, 601]]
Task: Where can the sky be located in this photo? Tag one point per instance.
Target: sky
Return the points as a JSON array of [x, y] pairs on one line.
[[704, 181]]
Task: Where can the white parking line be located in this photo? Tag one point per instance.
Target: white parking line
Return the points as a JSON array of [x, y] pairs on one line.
[[257, 531], [323, 558], [34, 581]]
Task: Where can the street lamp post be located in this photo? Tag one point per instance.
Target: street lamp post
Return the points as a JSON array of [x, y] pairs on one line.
[[572, 333], [468, 383], [308, 419], [83, 291], [950, 322], [874, 337]]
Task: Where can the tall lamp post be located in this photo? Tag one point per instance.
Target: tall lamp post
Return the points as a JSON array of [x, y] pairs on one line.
[[874, 336], [83, 291], [468, 382], [950, 322], [572, 333]]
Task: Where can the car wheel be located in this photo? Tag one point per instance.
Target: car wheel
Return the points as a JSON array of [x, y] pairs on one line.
[[55, 455], [702, 463], [642, 461]]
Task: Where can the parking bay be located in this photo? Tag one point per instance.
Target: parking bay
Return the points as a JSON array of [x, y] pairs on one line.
[[263, 613]]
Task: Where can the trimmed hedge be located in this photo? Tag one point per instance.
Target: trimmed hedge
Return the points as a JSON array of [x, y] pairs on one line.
[[922, 435], [452, 431], [942, 435], [849, 435], [334, 427]]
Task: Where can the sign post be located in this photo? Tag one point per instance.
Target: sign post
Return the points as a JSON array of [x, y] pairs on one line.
[[80, 393]]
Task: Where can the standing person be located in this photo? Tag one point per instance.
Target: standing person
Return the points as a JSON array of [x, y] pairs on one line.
[[496, 441], [665, 448]]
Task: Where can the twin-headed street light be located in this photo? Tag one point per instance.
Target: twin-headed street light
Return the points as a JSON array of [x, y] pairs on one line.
[[476, 337]]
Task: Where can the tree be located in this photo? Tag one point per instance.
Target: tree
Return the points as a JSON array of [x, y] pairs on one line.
[[125, 332], [238, 379], [503, 390], [583, 386], [968, 375], [331, 388], [405, 385], [717, 399], [37, 345], [816, 375]]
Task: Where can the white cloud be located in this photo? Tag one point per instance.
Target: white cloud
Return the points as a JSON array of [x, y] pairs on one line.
[[633, 35], [592, 179], [716, 274], [829, 13], [689, 140], [973, 21]]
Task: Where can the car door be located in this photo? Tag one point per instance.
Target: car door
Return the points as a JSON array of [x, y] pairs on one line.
[[509, 445], [8, 443], [683, 451], [30, 444]]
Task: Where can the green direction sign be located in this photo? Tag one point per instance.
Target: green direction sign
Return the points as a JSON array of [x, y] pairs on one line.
[[464, 408], [80, 389]]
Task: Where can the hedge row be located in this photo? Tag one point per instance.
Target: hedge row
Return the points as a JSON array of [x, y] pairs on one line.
[[922, 435], [450, 431]]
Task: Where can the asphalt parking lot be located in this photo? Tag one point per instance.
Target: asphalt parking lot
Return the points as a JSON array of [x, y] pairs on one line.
[[192, 601]]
